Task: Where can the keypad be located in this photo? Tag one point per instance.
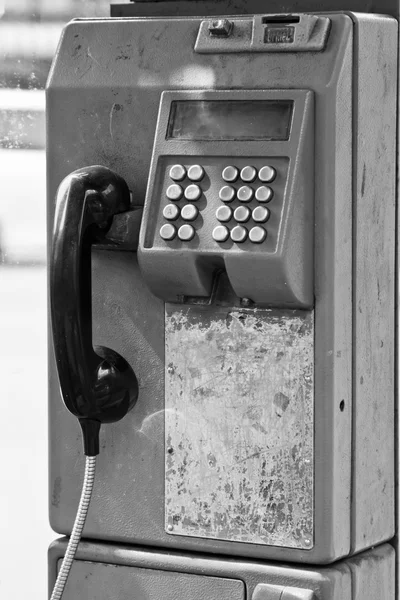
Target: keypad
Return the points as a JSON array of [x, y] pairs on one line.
[[242, 214], [227, 193], [186, 233], [195, 173], [257, 234], [174, 192], [192, 192], [239, 234], [177, 172], [224, 214], [220, 233], [264, 193], [189, 212], [168, 232], [260, 214], [249, 188], [230, 174], [245, 193], [248, 174], [267, 174], [171, 212], [184, 190]]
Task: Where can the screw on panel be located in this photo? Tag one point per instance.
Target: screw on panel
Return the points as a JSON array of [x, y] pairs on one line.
[[170, 527], [220, 28], [170, 370], [307, 541], [170, 450]]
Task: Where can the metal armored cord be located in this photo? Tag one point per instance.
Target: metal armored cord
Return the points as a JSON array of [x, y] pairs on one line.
[[87, 489]]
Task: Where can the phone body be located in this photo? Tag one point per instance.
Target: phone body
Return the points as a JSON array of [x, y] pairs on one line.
[[265, 421]]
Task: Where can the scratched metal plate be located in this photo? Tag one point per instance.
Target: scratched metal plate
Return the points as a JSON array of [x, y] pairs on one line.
[[239, 425]]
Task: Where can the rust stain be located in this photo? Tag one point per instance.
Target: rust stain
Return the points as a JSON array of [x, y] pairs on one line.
[[56, 495], [239, 418]]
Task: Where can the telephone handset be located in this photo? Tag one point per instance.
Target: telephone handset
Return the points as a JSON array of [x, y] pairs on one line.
[[98, 385]]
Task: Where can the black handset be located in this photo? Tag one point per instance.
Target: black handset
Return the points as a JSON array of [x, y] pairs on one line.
[[97, 384]]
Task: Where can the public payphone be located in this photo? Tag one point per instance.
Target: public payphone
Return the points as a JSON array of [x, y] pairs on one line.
[[258, 312]]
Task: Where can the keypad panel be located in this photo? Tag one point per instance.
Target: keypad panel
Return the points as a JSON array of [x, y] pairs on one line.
[[253, 187], [217, 203]]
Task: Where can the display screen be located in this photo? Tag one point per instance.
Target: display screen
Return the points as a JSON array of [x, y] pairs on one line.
[[230, 120]]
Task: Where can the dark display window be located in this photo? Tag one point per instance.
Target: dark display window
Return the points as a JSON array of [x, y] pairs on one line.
[[230, 120]]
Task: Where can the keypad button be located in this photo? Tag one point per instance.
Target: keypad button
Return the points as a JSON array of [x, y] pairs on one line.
[[186, 233], [242, 214], [267, 174], [220, 233], [189, 212], [257, 234], [227, 193], [171, 212], [239, 234], [261, 214], [224, 213], [230, 174], [192, 192], [177, 172], [248, 174], [174, 192], [245, 193], [264, 193], [195, 173], [168, 232]]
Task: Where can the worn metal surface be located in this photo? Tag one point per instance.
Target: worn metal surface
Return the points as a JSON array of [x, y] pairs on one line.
[[105, 581], [239, 424], [374, 234], [242, 7]]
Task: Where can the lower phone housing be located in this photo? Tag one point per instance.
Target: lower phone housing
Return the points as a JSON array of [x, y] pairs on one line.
[[104, 571]]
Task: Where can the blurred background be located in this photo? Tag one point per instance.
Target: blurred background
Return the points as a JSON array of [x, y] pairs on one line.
[[29, 33]]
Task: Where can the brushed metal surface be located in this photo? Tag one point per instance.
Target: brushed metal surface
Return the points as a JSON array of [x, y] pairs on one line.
[[239, 425]]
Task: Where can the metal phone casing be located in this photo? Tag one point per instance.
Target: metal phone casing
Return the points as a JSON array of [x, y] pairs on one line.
[[103, 98], [114, 571]]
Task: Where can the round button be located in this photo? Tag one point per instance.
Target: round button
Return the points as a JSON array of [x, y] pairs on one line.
[[220, 233], [230, 174], [264, 193], [224, 213], [171, 212], [192, 192], [177, 172], [239, 234], [257, 234], [267, 174], [242, 214], [261, 214], [186, 233], [168, 232], [196, 173], [248, 174], [227, 193], [189, 212], [174, 192], [245, 193]]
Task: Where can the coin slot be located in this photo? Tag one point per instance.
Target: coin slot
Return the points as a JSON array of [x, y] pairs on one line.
[[280, 19]]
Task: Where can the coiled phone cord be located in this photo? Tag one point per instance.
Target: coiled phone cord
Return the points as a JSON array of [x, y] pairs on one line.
[[87, 489]]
